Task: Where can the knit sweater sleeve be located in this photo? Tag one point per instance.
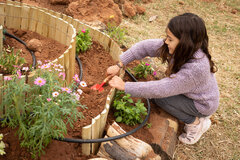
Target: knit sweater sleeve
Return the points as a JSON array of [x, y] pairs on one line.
[[141, 49], [179, 83]]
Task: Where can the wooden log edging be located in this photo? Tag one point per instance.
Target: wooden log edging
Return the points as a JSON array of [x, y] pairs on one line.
[[20, 16], [96, 129]]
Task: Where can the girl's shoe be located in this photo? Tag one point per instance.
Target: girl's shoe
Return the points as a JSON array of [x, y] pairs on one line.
[[194, 132]]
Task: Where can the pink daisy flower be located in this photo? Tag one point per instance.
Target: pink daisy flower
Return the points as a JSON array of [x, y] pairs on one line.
[[45, 66], [55, 94], [83, 31], [76, 78], [154, 73], [62, 74], [83, 84], [68, 90], [19, 74], [39, 81], [6, 78], [147, 64], [49, 99]]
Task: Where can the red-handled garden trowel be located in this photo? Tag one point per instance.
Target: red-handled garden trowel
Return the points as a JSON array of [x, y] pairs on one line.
[[99, 87]]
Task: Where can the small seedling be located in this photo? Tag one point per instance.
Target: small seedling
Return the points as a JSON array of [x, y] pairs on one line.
[[142, 70], [83, 41], [127, 111]]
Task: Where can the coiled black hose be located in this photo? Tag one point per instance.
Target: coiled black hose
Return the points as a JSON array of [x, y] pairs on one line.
[[21, 41]]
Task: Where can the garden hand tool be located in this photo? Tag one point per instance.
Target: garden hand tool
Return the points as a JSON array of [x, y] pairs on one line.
[[99, 86]]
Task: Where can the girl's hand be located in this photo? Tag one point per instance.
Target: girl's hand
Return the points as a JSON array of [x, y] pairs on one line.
[[117, 82], [113, 70]]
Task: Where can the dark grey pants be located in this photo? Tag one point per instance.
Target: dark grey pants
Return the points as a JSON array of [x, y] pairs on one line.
[[180, 107]]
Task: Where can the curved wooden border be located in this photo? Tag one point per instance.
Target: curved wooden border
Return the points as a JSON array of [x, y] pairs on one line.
[[94, 130]]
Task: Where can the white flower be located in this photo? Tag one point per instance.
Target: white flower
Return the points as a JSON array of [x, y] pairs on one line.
[[83, 84], [55, 94], [25, 68], [80, 91]]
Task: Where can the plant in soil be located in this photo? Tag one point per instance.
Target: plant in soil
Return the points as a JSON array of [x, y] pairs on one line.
[[127, 111], [41, 111], [83, 41], [8, 59], [142, 70], [115, 32]]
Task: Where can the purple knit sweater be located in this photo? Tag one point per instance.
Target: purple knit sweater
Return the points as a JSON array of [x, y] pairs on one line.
[[193, 80]]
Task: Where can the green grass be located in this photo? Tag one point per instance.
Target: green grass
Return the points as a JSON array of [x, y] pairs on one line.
[[222, 141]]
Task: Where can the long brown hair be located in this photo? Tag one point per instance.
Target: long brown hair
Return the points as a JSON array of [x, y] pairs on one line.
[[192, 34]]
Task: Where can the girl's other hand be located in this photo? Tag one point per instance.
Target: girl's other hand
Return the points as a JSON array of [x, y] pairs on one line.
[[113, 70], [117, 82]]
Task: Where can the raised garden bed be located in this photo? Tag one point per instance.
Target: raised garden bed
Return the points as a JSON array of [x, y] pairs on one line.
[[95, 73]]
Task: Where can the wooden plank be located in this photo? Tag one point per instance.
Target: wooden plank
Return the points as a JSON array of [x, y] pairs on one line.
[[39, 24], [45, 26], [95, 133], [10, 16], [86, 134], [72, 56], [33, 17], [2, 14], [52, 27], [103, 121], [66, 65], [70, 35], [103, 39], [115, 50], [58, 30], [1, 40], [1, 95], [25, 17], [63, 27]]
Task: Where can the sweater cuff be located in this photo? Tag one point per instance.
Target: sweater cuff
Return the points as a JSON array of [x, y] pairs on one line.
[[127, 57]]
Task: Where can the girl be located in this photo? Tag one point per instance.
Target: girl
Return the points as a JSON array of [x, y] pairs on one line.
[[189, 92]]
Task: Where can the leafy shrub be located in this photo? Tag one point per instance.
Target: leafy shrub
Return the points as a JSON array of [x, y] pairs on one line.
[[42, 110], [116, 33], [9, 59], [142, 70], [127, 111], [83, 41]]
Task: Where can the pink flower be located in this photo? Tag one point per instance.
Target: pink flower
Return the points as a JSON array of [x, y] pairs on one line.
[[83, 31], [6, 78], [55, 94], [19, 74], [154, 73], [76, 78], [62, 74], [39, 81], [49, 99], [45, 66], [147, 64], [83, 84], [68, 90]]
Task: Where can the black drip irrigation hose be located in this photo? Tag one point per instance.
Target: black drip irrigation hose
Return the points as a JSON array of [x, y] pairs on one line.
[[21, 41], [72, 140]]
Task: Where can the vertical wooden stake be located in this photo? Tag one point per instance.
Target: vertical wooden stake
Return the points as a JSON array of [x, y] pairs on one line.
[[1, 40]]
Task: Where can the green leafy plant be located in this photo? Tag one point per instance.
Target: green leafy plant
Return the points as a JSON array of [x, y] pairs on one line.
[[2, 145], [116, 33], [83, 41], [142, 70], [40, 111], [127, 111], [9, 59]]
